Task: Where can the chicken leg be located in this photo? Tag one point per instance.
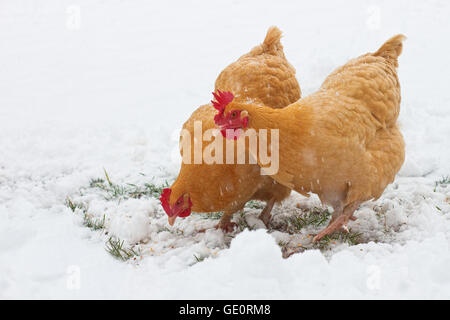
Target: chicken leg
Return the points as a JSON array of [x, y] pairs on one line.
[[265, 215], [339, 220], [337, 212]]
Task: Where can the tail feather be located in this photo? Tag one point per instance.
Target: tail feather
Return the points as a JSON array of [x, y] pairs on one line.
[[272, 40], [392, 49], [271, 44]]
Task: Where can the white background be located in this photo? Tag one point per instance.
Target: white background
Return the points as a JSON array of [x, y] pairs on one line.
[[87, 85]]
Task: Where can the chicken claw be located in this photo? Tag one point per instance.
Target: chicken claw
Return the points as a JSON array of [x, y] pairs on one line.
[[337, 224], [340, 222], [227, 227]]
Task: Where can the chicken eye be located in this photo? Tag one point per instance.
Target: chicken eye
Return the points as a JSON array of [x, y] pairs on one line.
[[234, 114]]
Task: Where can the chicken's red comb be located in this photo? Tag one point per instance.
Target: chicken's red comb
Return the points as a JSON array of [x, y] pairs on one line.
[[165, 196], [223, 98]]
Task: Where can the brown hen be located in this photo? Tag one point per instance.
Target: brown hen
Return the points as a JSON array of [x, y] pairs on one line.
[[342, 142], [263, 76]]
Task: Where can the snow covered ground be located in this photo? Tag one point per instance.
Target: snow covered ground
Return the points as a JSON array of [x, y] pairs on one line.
[[93, 85]]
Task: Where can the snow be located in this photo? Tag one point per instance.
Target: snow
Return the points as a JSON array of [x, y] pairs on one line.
[[110, 89]]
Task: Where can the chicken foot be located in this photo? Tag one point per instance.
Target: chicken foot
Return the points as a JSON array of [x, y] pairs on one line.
[[265, 215], [339, 221], [225, 223]]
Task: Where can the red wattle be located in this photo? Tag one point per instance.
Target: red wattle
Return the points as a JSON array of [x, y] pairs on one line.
[[165, 196], [245, 122]]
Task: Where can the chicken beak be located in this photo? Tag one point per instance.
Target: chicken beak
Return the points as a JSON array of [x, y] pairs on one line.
[[172, 220]]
